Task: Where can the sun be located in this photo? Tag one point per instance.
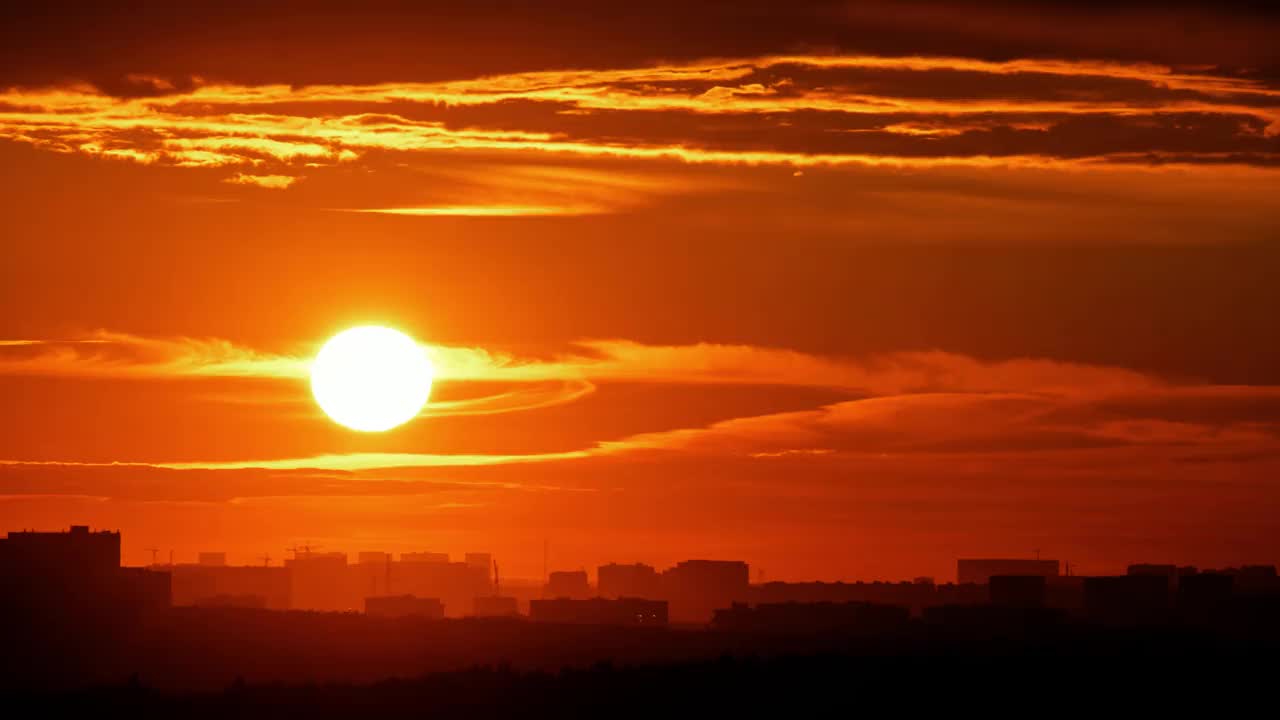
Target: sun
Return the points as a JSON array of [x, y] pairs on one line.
[[371, 378]]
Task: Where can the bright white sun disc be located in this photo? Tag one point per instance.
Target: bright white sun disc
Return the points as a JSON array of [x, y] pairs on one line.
[[371, 378]]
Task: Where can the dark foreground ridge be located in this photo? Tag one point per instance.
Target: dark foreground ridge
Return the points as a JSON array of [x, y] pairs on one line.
[[752, 686], [210, 649]]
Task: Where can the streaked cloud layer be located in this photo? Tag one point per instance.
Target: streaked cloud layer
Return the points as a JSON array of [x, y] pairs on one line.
[[918, 403], [800, 110]]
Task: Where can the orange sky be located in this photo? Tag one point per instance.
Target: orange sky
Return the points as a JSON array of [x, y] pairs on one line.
[[843, 290]]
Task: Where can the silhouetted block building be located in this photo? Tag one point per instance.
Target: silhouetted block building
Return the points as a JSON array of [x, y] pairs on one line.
[[1065, 592], [979, 571], [637, 581], [1254, 579], [480, 561], [820, 618], [456, 584], [496, 606], [140, 590], [215, 559], [78, 552], [372, 574], [404, 606], [75, 575], [695, 589], [572, 584], [961, 594], [1172, 573], [914, 595], [1127, 598], [196, 584], [600, 611], [1017, 591], [424, 557], [319, 581], [1204, 594]]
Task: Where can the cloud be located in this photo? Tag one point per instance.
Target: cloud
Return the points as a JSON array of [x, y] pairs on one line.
[[346, 462], [148, 483], [794, 110], [273, 182], [110, 354], [530, 396], [481, 211], [1081, 429], [900, 404], [991, 427]]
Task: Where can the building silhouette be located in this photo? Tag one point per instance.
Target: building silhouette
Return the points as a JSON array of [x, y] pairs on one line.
[[77, 552], [572, 584], [72, 575], [372, 573], [1204, 594], [214, 559], [479, 561], [197, 585], [319, 581], [979, 571], [695, 589], [1127, 598], [636, 580], [395, 606], [456, 584], [496, 606], [1018, 591], [424, 557]]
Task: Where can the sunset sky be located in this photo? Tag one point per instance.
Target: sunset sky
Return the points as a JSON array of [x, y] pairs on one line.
[[845, 290]]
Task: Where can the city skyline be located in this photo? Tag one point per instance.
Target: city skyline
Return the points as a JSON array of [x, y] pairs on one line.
[[77, 576]]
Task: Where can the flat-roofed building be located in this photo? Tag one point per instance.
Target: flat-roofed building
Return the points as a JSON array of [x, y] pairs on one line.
[[496, 606], [695, 589], [637, 580], [980, 570], [571, 584]]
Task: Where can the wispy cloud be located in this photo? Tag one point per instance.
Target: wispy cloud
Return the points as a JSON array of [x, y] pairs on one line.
[[105, 353], [345, 462], [800, 110], [899, 403], [110, 354], [272, 182], [936, 424], [481, 211]]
